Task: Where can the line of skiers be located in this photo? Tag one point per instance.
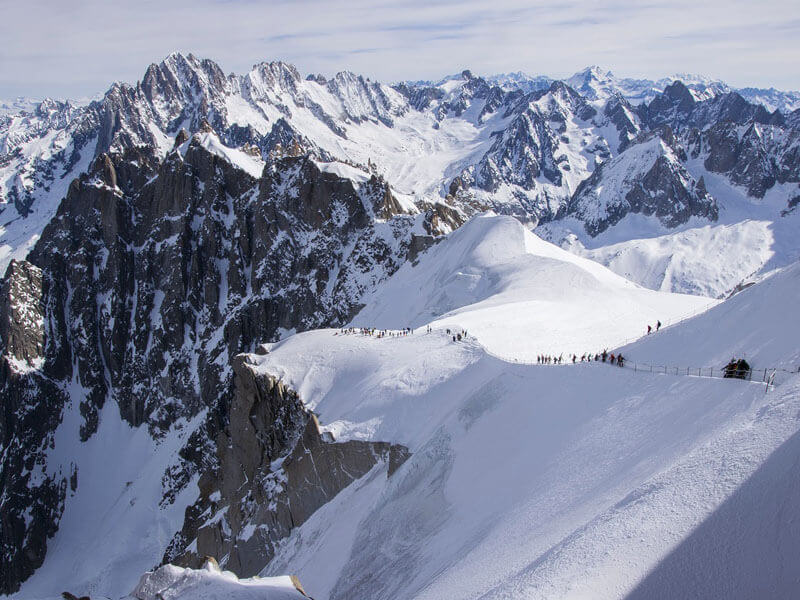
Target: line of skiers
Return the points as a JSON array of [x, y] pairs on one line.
[[373, 332], [650, 327], [457, 337], [604, 356], [546, 359]]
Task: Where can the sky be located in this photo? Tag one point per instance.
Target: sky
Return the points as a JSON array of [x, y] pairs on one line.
[[69, 49]]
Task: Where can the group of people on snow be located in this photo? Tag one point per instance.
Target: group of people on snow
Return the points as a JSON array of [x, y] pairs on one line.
[[546, 359], [373, 332], [604, 356], [737, 368], [457, 337], [650, 327]]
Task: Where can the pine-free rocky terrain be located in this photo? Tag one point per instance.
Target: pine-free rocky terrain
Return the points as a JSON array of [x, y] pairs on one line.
[[293, 323]]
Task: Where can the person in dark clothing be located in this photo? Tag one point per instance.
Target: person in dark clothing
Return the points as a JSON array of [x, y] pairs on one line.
[[738, 369], [658, 325], [649, 329], [620, 360]]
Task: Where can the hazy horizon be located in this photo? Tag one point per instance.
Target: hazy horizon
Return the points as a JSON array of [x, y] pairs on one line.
[[65, 50]]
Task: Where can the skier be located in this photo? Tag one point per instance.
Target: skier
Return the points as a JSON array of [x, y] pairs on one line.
[[649, 329], [658, 325], [620, 360]]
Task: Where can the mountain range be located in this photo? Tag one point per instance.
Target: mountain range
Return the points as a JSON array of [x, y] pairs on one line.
[[165, 246]]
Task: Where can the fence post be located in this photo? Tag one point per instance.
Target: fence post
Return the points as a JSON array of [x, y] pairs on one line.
[[712, 371], [651, 368]]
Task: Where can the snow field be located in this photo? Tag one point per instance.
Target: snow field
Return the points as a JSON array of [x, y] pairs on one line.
[[519, 295], [533, 482], [525, 481]]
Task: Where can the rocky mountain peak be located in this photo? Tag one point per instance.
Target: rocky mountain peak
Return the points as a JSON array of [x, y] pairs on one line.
[[275, 76], [678, 95]]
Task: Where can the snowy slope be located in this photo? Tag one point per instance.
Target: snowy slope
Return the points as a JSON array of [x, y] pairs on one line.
[[114, 526], [521, 296], [750, 236], [546, 482], [759, 323]]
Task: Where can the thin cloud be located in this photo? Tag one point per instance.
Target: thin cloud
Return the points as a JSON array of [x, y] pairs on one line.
[[51, 47]]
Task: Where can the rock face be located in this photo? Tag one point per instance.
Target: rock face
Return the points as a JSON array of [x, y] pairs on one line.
[[31, 491], [149, 279], [21, 315], [755, 157], [648, 178], [275, 470], [531, 167]]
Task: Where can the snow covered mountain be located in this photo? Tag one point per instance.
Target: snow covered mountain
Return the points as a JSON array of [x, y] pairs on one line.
[[597, 83], [562, 481], [164, 245], [497, 280], [463, 144]]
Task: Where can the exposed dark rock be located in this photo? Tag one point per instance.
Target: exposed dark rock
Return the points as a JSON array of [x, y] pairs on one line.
[[150, 286], [30, 409], [662, 188], [756, 157], [622, 115], [275, 470], [22, 314]]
